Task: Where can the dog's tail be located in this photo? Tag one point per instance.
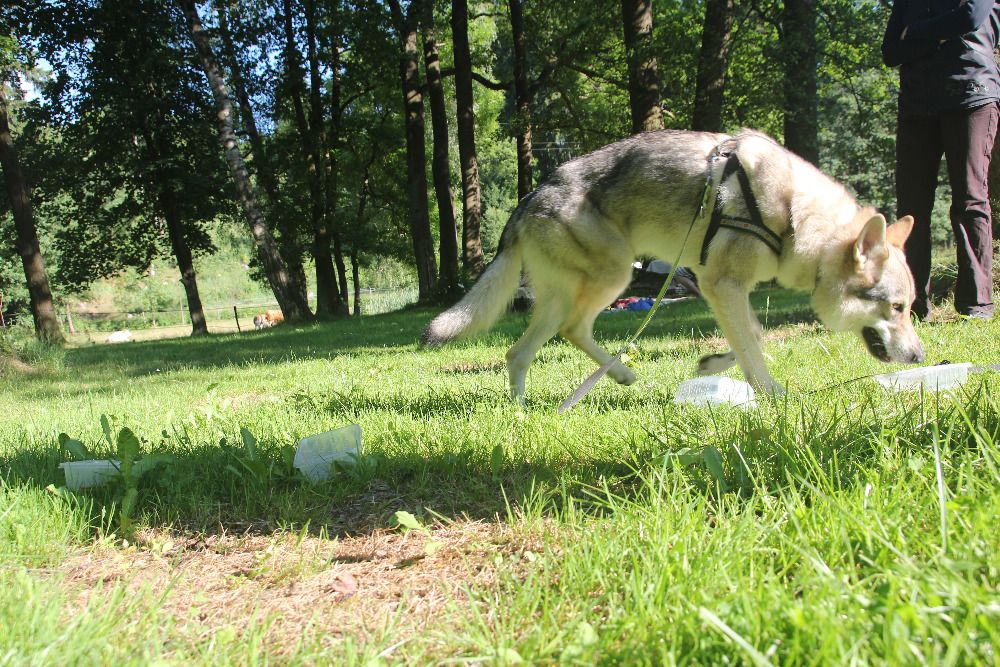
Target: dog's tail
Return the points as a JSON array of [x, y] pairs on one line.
[[488, 299]]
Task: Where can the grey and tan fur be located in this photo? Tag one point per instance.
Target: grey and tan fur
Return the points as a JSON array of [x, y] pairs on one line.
[[577, 235]]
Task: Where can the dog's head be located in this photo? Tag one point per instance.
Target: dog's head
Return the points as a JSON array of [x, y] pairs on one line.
[[870, 291]]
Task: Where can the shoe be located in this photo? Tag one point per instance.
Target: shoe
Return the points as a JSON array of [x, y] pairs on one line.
[[978, 316]]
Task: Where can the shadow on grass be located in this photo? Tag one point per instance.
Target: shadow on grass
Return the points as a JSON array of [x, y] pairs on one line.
[[216, 488], [213, 487]]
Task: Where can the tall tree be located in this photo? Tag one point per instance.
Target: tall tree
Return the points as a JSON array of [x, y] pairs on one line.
[[26, 235], [158, 149], [185, 260], [448, 278], [643, 86], [800, 83], [473, 262], [312, 134], [416, 169], [331, 145], [522, 100], [289, 296], [134, 132], [713, 61], [288, 236]]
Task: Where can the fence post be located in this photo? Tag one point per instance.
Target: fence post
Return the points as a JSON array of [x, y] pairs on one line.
[[69, 319], [2, 322], [237, 316]]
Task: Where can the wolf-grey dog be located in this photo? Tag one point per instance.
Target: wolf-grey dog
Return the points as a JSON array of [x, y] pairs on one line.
[[577, 235]]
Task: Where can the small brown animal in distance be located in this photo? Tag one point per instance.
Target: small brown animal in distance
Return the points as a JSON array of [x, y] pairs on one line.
[[267, 319]]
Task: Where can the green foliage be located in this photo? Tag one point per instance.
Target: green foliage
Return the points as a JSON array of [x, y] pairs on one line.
[[131, 467]]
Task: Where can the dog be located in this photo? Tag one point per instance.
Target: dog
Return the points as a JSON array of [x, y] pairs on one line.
[[577, 235], [267, 319]]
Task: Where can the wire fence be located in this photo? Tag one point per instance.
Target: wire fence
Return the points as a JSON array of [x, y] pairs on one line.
[[95, 325]]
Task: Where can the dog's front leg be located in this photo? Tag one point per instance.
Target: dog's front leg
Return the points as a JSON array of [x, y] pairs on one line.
[[730, 301], [713, 364]]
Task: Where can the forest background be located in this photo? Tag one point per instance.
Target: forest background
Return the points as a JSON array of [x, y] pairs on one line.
[[379, 144]]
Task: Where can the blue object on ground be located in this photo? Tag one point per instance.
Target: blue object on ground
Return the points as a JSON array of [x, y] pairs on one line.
[[641, 305]]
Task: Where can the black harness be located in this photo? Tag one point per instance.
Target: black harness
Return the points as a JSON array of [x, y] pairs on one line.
[[754, 225]]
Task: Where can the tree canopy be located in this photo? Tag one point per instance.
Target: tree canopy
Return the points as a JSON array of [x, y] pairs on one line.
[[404, 129]]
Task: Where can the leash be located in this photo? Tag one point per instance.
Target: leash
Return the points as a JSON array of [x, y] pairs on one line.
[[973, 370], [589, 383]]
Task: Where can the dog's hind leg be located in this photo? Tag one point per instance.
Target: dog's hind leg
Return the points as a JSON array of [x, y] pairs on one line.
[[593, 298], [547, 317]]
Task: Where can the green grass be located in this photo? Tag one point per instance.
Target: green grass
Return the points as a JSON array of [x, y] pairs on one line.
[[838, 524]]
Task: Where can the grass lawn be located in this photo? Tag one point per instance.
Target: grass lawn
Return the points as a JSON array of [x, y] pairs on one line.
[[840, 524]]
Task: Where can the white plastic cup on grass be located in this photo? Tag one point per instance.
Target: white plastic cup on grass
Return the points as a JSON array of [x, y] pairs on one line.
[[84, 474], [317, 453], [715, 390], [931, 378]]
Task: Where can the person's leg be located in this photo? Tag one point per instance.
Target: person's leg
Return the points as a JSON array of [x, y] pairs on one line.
[[968, 144], [918, 156]]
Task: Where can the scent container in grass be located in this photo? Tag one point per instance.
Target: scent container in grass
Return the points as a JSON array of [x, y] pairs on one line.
[[931, 378], [316, 454], [715, 390], [84, 474]]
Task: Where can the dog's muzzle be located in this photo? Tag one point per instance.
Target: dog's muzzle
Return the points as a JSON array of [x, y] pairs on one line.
[[875, 344]]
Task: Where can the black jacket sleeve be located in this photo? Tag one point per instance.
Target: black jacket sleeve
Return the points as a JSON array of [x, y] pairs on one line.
[[897, 51], [967, 17]]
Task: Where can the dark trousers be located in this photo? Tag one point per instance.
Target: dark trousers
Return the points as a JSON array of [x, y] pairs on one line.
[[965, 138]]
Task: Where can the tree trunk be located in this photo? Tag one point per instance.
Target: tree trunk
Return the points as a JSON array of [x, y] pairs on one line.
[[331, 146], [357, 283], [310, 135], [288, 294], [448, 278], [801, 57], [288, 236], [362, 203], [522, 101], [643, 87], [713, 61], [43, 310], [416, 168], [185, 262], [473, 262], [338, 260]]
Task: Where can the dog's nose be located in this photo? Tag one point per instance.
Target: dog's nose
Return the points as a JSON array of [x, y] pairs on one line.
[[916, 357]]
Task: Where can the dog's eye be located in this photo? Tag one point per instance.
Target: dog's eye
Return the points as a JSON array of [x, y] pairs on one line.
[[899, 307]]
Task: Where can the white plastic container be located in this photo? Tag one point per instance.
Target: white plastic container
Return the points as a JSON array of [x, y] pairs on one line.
[[931, 378], [84, 474], [316, 454], [715, 390]]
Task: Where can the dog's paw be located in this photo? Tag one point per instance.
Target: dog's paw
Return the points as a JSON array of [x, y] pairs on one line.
[[622, 375], [713, 364], [770, 388]]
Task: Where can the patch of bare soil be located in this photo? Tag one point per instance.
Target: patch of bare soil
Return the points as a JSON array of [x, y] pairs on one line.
[[348, 586]]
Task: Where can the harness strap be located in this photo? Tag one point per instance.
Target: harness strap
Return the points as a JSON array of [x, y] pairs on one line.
[[754, 225]]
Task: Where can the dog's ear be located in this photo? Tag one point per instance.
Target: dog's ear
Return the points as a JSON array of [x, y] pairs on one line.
[[899, 231], [871, 244]]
